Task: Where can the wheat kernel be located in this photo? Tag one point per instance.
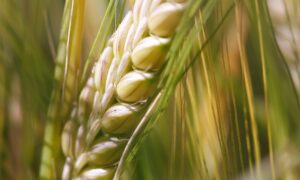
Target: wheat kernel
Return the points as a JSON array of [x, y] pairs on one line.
[[135, 86], [164, 20], [149, 54]]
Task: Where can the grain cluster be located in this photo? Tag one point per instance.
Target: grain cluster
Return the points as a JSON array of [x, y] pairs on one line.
[[115, 96]]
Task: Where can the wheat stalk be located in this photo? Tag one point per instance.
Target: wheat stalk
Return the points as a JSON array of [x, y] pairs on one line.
[[116, 95]]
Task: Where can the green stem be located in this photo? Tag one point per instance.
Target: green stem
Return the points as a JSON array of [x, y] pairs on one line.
[[66, 77]]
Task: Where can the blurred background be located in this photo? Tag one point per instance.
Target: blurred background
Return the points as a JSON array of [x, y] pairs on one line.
[[234, 115]]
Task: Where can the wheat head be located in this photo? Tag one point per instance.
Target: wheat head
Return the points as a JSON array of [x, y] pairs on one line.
[[115, 96]]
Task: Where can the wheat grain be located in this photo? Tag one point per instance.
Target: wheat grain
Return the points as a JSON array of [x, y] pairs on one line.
[[115, 96], [96, 173], [150, 53]]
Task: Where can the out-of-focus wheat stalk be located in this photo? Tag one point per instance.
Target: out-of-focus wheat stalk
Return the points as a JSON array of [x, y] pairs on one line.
[[285, 16]]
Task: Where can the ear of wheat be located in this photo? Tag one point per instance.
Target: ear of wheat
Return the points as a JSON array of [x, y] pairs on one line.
[[115, 96]]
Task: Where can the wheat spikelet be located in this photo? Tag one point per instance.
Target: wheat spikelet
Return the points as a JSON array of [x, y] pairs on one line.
[[116, 94]]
